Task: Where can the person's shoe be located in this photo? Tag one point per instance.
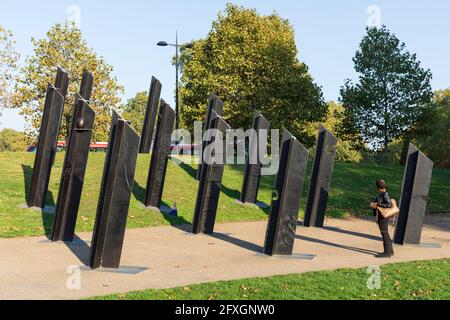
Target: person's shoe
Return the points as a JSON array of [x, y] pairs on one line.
[[383, 255]]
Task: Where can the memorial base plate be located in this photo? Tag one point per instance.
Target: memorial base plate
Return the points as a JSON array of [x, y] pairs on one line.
[[162, 209], [423, 245], [295, 256], [121, 270], [47, 209], [75, 243]]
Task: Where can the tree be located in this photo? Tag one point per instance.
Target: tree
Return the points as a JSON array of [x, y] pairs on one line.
[[392, 92], [433, 130], [346, 150], [64, 46], [250, 61], [8, 68], [134, 110], [13, 141]]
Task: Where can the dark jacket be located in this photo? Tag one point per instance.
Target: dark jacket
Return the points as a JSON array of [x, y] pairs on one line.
[[383, 201]]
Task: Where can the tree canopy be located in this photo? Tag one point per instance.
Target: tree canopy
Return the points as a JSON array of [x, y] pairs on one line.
[[65, 47], [391, 94], [134, 110], [250, 61], [13, 141], [8, 68], [433, 130]]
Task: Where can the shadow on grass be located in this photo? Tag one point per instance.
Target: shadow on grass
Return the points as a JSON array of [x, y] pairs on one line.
[[188, 169], [178, 222], [47, 218], [138, 192], [231, 193], [360, 250]]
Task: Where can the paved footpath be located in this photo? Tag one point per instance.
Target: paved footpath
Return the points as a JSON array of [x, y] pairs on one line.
[[34, 268]]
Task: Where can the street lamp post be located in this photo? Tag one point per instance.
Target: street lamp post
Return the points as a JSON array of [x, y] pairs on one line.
[[177, 67]]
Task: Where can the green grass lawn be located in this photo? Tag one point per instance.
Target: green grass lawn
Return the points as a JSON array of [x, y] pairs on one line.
[[404, 281], [352, 190]]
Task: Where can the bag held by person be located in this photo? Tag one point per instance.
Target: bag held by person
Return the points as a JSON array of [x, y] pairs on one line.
[[387, 213]]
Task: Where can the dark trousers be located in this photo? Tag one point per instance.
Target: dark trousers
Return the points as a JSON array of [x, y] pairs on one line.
[[387, 241]]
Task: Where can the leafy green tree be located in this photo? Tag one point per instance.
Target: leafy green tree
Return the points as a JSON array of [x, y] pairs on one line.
[[64, 46], [134, 110], [250, 61], [433, 130], [8, 68], [391, 94], [13, 141], [346, 150]]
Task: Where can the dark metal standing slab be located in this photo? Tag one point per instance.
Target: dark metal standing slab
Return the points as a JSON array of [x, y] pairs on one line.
[[62, 82], [115, 195], [150, 116], [252, 176], [320, 179], [282, 224], [160, 156], [48, 138], [74, 169], [210, 182], [413, 201], [215, 104], [87, 82]]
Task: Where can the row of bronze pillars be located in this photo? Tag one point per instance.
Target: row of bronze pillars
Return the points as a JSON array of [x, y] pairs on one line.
[[120, 163]]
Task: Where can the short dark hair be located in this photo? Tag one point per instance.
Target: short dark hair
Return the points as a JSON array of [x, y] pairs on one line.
[[381, 184]]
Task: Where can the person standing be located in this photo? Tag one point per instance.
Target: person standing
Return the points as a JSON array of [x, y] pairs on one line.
[[383, 200]]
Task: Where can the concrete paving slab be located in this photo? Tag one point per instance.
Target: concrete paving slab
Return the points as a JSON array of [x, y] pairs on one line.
[[165, 257]]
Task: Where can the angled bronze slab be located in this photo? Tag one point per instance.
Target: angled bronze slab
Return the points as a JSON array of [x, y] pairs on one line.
[[86, 86], [160, 156], [210, 180], [48, 139], [74, 169], [283, 218], [115, 195], [150, 116], [320, 179], [414, 195], [252, 175], [215, 105]]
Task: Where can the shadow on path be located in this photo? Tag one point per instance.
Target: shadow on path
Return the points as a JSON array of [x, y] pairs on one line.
[[437, 221], [80, 249], [47, 218], [353, 233], [238, 242], [360, 250]]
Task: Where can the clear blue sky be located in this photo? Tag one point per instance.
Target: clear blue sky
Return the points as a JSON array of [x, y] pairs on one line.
[[327, 34]]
